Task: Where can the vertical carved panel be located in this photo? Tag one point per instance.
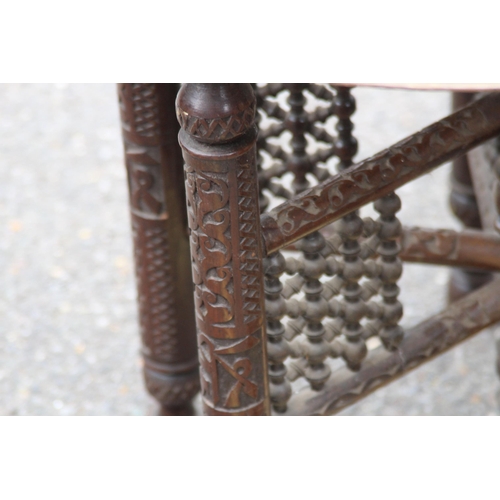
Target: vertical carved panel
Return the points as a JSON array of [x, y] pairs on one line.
[[154, 169], [222, 197]]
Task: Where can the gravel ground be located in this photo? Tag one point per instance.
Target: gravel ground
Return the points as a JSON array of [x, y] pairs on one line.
[[69, 337]]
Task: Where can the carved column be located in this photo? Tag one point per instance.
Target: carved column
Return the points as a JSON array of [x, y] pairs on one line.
[[161, 243], [464, 205], [496, 171], [218, 137]]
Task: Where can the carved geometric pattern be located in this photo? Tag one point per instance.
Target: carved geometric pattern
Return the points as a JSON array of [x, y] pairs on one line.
[[229, 315], [170, 369], [250, 266], [156, 296], [217, 129], [157, 310], [145, 108]]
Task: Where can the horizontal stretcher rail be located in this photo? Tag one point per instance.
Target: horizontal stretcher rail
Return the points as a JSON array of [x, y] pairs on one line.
[[456, 323], [469, 248], [381, 174]]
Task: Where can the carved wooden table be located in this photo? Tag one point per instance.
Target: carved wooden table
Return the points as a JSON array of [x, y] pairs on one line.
[[261, 344]]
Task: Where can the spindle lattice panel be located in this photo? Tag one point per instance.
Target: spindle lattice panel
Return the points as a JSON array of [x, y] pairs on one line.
[[330, 293]]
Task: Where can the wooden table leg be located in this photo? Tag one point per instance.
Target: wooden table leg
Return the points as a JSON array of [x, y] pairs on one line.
[[161, 244], [464, 205], [218, 138]]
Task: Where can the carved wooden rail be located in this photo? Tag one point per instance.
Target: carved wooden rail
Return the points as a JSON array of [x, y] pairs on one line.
[[381, 174], [445, 247], [434, 336], [468, 248]]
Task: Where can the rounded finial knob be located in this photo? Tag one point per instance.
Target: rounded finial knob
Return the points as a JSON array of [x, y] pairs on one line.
[[216, 112]]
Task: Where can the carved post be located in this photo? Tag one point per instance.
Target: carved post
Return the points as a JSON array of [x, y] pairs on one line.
[[496, 170], [464, 205], [218, 137], [161, 243]]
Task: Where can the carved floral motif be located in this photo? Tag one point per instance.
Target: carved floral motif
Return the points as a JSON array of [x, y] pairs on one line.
[[227, 271]]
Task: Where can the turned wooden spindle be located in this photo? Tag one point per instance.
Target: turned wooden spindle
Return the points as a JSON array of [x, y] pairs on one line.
[[351, 228], [391, 269], [277, 347], [296, 122]]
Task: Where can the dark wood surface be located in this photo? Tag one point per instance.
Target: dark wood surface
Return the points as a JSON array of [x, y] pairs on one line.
[[218, 139], [471, 249], [161, 245], [463, 202], [250, 358]]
